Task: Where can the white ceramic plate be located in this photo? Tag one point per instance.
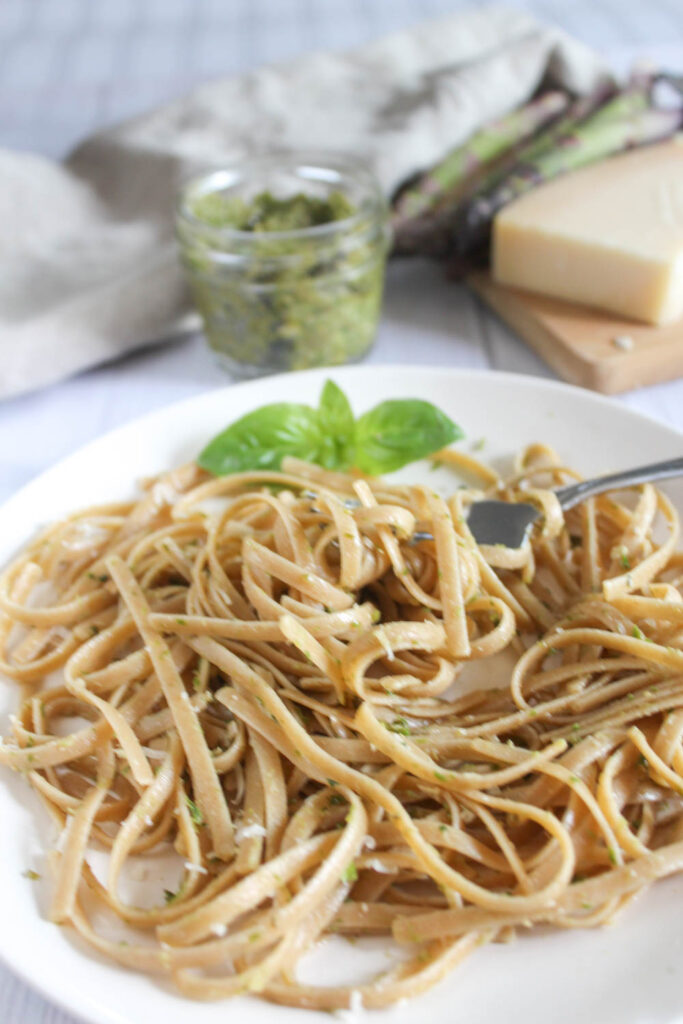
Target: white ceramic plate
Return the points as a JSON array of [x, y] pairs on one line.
[[629, 974]]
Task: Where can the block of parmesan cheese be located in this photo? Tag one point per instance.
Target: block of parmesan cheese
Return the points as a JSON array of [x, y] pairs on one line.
[[609, 235]]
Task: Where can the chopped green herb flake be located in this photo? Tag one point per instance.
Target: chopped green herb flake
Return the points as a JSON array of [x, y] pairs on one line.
[[350, 873], [195, 813], [400, 726]]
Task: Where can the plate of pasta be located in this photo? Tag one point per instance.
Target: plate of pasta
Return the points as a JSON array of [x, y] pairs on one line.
[[280, 739]]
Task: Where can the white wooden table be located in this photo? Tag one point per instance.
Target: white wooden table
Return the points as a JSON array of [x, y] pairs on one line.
[[70, 66]]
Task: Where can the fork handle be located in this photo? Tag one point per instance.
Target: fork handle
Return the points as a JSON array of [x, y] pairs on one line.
[[572, 494]]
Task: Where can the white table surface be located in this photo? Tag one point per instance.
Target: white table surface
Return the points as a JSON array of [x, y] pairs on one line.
[[68, 67]]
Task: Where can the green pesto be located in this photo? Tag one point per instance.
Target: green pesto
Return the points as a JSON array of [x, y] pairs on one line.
[[285, 301], [265, 212]]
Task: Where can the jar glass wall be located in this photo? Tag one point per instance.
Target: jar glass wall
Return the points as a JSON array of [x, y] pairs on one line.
[[292, 297]]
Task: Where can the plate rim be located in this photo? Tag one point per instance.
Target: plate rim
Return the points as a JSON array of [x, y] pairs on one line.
[[543, 383]]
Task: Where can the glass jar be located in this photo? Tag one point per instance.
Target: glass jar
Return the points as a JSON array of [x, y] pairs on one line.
[[291, 298]]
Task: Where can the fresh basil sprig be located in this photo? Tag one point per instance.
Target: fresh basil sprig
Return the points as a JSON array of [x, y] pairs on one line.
[[262, 438], [337, 424], [387, 437]]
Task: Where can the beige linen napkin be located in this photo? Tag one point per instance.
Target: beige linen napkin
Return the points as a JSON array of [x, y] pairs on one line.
[[88, 268]]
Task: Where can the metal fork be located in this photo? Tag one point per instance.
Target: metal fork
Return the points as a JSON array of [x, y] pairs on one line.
[[508, 523]]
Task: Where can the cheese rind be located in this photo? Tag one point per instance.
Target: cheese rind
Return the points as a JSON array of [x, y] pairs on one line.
[[609, 236]]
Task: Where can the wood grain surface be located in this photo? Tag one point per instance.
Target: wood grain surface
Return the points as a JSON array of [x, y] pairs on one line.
[[586, 347]]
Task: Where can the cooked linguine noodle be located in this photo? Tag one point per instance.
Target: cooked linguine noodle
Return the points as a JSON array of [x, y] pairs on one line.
[[271, 683]]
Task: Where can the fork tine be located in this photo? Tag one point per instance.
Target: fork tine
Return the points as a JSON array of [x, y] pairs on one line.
[[501, 522], [491, 522]]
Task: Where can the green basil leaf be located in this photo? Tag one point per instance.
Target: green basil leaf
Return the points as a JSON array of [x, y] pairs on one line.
[[262, 438], [337, 427], [399, 431], [334, 410]]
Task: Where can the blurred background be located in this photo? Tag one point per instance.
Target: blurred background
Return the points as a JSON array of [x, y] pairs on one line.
[[68, 67], [71, 67]]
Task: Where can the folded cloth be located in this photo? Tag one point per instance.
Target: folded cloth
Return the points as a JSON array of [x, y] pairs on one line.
[[88, 267]]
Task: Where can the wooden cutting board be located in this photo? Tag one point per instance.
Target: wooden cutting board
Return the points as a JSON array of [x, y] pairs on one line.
[[584, 346]]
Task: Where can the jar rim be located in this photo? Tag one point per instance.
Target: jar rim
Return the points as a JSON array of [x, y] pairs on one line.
[[324, 164]]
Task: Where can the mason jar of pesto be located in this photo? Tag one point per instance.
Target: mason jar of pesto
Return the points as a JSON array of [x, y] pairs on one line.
[[285, 256]]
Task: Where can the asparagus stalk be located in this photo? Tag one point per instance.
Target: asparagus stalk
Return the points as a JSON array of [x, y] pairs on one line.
[[579, 110], [429, 233], [458, 169], [626, 121]]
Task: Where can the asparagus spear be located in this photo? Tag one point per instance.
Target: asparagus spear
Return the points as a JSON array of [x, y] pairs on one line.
[[626, 121], [429, 233], [462, 164], [578, 111]]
